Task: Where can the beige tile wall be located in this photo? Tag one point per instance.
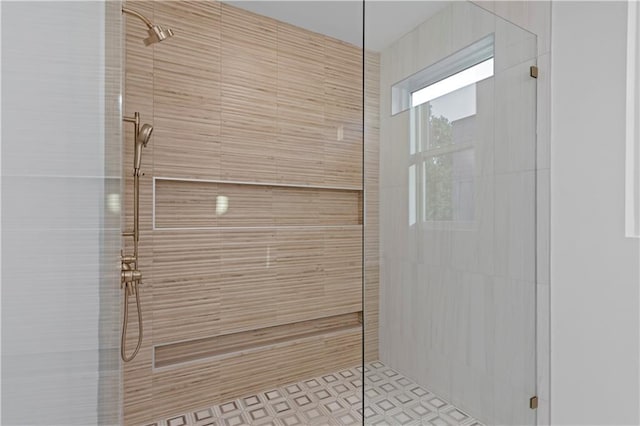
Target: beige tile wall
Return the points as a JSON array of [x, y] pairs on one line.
[[237, 97]]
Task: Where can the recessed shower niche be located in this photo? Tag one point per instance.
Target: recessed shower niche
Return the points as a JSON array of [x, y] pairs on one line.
[[222, 204]]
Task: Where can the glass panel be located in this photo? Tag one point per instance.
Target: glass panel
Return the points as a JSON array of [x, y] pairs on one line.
[[251, 211], [61, 162], [457, 219]]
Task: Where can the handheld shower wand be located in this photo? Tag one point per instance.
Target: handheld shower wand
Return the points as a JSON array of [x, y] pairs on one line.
[[143, 136]]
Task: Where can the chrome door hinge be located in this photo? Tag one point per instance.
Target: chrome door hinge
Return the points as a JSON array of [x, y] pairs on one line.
[[533, 71], [533, 402]]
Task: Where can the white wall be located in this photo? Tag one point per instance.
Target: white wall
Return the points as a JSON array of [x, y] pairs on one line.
[[57, 235], [594, 268]]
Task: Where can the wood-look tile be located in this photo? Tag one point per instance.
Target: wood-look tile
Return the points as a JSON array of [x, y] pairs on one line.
[[240, 97], [371, 202], [249, 95], [300, 274], [301, 74], [343, 270], [296, 206], [187, 282], [248, 296], [343, 113], [187, 102]]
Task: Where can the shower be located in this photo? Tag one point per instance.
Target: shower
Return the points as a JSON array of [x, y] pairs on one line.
[[130, 275], [142, 140], [156, 32]]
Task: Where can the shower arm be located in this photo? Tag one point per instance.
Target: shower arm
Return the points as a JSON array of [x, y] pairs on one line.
[[147, 22], [156, 33]]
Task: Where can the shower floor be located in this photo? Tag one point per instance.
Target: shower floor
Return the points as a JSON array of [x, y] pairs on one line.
[[334, 399]]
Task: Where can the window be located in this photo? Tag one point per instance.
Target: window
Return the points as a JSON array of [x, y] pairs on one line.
[[442, 166], [457, 81], [465, 67]]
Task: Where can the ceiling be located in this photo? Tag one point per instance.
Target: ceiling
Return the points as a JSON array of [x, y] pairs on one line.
[[386, 20]]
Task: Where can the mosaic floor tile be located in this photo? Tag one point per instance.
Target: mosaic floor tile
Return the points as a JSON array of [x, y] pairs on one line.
[[390, 399]]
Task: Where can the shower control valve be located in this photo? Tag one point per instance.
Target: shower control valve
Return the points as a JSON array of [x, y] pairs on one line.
[[128, 274], [128, 260], [131, 275]]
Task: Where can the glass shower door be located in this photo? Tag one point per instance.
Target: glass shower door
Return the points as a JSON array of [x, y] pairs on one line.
[[457, 220]]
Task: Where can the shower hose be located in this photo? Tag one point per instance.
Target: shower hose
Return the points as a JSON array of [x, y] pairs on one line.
[[123, 352]]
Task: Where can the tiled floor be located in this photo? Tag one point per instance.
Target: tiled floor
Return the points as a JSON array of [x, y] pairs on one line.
[[334, 399], [392, 399]]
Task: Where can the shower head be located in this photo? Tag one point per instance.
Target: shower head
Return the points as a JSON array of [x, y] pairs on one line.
[[142, 140], [156, 32], [145, 134]]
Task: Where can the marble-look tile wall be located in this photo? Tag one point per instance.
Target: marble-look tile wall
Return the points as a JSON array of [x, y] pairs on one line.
[[458, 306], [535, 16]]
